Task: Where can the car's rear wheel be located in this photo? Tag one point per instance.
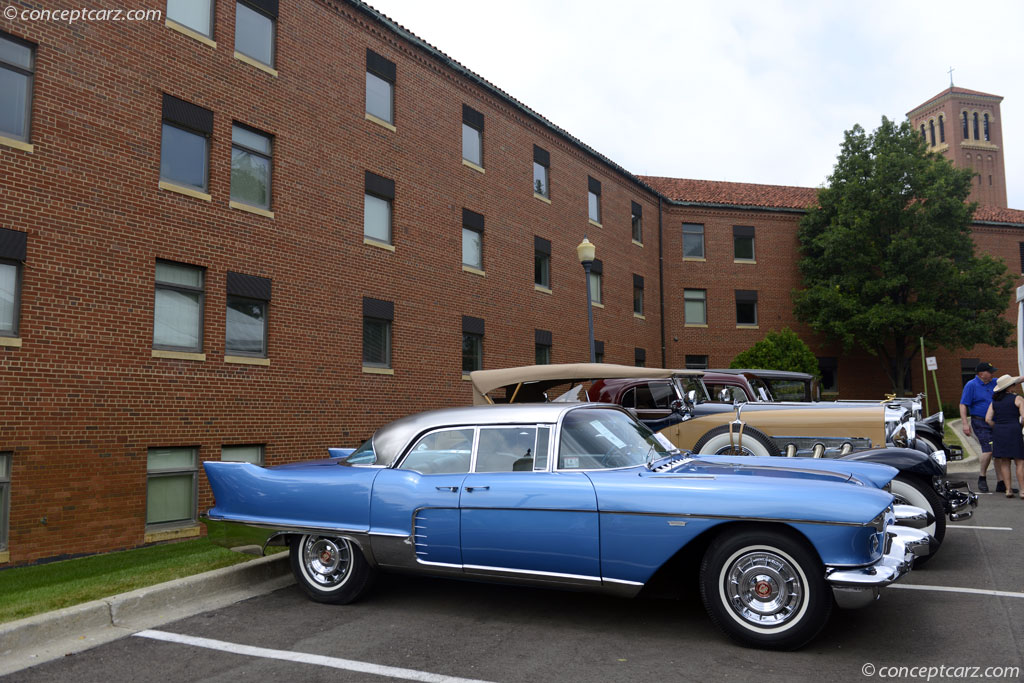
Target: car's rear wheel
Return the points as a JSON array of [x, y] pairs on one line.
[[912, 491], [765, 588], [753, 442], [329, 569]]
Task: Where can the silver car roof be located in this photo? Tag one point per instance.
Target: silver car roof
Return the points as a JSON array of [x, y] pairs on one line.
[[391, 440]]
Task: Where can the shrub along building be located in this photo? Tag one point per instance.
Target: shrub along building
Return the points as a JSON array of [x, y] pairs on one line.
[[253, 230]]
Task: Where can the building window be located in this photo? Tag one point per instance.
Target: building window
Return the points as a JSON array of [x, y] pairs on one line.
[[924, 135], [942, 128], [377, 206], [598, 351], [17, 65], [254, 30], [5, 497], [13, 247], [248, 298], [828, 368], [472, 136], [595, 281], [542, 346], [965, 125], [693, 240], [250, 454], [986, 128], [695, 362], [1020, 245], [640, 358], [967, 366], [193, 14], [472, 239], [746, 307], [975, 125], [185, 144], [378, 317], [380, 87], [250, 166], [637, 220], [593, 200], [931, 130], [542, 262], [743, 242], [178, 311], [638, 294], [472, 344], [541, 172], [695, 306], [171, 485]]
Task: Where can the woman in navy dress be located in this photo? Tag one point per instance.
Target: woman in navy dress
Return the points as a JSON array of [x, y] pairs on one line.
[[1006, 414]]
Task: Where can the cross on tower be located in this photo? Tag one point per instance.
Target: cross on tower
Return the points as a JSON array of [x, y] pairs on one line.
[[951, 76]]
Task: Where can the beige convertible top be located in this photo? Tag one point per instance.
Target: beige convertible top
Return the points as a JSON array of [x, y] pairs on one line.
[[485, 381]]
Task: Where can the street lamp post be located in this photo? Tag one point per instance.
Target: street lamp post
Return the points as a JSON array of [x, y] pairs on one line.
[[585, 251]]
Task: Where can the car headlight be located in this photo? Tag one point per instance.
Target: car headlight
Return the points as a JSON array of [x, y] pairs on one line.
[[903, 437], [939, 457]]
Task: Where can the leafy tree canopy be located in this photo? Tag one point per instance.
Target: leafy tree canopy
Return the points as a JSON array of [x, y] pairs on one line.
[[887, 255], [782, 350]]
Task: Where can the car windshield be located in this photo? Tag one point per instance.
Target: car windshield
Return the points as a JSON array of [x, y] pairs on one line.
[[364, 455], [594, 438]]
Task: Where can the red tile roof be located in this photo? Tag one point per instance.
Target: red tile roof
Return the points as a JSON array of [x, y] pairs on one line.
[[735, 194], [999, 215]]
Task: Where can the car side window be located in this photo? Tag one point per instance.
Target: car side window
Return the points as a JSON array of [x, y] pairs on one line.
[[446, 451], [506, 449], [653, 396]]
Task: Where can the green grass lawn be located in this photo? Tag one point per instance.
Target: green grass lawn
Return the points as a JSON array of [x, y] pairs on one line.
[[25, 591]]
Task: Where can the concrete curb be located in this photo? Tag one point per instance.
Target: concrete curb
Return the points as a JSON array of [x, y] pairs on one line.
[[52, 635]]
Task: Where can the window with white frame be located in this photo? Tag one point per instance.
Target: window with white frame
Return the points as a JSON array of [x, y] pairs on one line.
[[171, 475], [251, 155], [178, 310], [695, 306], [250, 454], [248, 298], [693, 240]]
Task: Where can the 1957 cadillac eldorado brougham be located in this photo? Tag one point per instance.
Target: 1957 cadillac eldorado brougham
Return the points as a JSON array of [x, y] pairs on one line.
[[580, 496]]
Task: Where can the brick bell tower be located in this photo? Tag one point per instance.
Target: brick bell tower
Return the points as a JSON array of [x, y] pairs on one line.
[[966, 127]]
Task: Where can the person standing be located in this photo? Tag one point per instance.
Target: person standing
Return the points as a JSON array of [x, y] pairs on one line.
[[974, 401], [1006, 414]]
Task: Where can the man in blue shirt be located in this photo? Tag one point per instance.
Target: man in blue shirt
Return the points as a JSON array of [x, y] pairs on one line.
[[974, 401]]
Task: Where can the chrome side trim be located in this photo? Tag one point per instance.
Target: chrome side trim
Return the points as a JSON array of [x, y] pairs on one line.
[[733, 517], [623, 582], [388, 535], [530, 572], [438, 564]]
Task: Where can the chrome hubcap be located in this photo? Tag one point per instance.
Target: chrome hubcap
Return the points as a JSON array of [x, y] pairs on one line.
[[763, 588], [327, 560], [733, 450]]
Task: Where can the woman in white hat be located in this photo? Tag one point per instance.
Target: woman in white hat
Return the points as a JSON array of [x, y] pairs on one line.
[[1006, 414]]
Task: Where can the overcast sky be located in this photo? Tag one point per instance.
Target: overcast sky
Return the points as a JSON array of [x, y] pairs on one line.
[[756, 91]]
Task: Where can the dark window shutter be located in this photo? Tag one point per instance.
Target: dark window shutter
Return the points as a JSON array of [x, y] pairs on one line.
[[542, 337], [380, 186], [597, 266], [638, 281], [594, 185], [541, 156], [637, 209], [268, 7], [13, 244], [742, 231], [471, 117], [473, 220], [376, 308], [188, 115], [544, 246], [746, 296], [380, 66], [471, 325], [828, 363], [249, 286], [640, 355], [599, 347]]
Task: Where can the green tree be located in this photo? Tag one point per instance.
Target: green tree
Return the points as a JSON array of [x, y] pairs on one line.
[[887, 255], [782, 350]]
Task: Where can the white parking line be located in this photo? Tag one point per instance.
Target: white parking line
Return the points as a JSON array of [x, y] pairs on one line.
[[986, 528], [953, 589], [301, 657]]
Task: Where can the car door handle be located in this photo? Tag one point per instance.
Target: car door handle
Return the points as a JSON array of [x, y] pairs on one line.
[[470, 489], [453, 489]]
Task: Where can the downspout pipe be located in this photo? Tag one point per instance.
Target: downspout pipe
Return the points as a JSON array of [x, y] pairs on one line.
[[661, 283]]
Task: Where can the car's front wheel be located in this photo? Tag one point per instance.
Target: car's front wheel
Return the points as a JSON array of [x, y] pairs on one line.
[[329, 569], [765, 588]]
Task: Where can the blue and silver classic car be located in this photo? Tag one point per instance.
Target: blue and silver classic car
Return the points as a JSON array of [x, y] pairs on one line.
[[581, 496]]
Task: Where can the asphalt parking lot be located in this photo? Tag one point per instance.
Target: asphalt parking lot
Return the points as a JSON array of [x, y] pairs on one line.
[[964, 610]]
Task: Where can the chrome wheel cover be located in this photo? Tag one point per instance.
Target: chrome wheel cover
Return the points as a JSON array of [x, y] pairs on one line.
[[763, 589], [733, 450], [326, 561]]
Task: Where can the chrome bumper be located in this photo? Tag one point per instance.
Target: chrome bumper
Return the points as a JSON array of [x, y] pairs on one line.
[[861, 586], [960, 499]]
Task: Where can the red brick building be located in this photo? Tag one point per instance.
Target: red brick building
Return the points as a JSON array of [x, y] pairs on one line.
[[253, 230]]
